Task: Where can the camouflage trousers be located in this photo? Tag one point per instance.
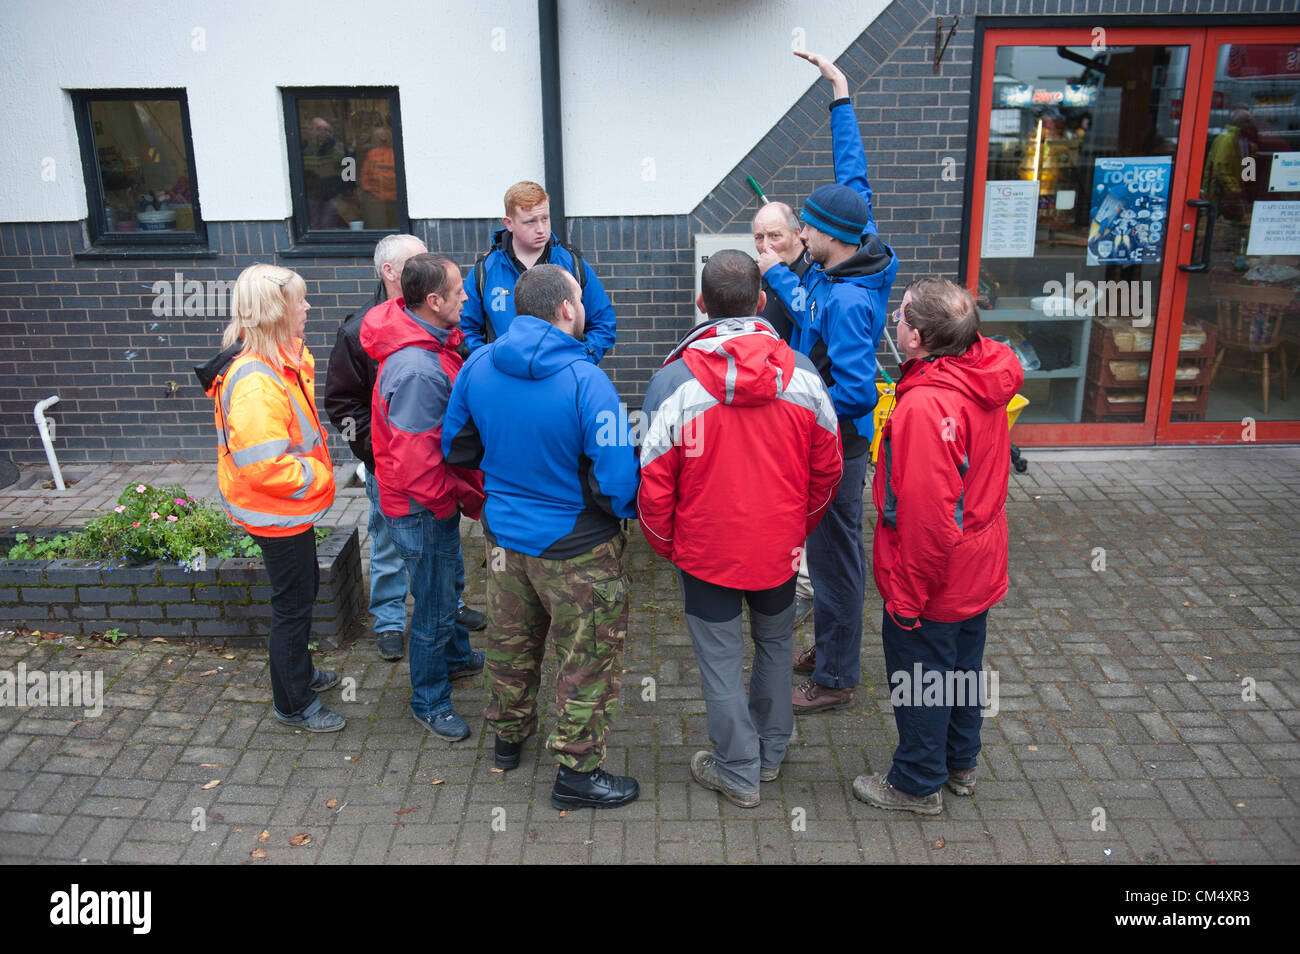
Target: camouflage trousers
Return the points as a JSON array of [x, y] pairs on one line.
[[582, 603]]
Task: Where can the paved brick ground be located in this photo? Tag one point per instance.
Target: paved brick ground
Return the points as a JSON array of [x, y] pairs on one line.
[[1121, 691]]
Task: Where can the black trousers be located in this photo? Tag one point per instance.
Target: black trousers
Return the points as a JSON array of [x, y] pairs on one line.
[[295, 577]]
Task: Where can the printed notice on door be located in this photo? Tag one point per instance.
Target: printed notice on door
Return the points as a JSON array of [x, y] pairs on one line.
[[1274, 229], [1010, 219]]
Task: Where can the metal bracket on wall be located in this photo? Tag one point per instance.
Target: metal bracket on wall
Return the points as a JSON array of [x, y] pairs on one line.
[[938, 35]]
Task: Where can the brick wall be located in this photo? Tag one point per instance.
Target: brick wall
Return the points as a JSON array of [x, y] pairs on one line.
[[84, 329]]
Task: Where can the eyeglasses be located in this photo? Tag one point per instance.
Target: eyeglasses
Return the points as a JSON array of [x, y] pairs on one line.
[[898, 317]]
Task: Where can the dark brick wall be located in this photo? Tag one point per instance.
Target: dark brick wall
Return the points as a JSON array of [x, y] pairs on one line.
[[85, 329]]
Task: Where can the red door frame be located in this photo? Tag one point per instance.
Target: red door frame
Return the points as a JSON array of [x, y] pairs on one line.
[[1212, 432], [1155, 427]]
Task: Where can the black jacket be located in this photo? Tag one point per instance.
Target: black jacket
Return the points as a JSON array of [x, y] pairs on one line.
[[350, 381]]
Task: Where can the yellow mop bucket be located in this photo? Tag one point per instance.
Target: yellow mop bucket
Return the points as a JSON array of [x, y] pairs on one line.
[[885, 407]]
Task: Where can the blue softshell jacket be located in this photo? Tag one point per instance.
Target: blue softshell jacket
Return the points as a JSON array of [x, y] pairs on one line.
[[840, 313], [546, 427], [502, 271]]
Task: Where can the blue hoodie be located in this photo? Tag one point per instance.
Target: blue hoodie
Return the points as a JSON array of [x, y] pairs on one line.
[[502, 270], [546, 427], [840, 313]]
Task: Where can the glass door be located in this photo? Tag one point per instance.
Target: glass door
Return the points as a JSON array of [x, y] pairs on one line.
[[1082, 162], [1235, 359]]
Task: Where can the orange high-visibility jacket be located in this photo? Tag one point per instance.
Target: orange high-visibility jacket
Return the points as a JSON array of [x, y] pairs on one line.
[[273, 467]]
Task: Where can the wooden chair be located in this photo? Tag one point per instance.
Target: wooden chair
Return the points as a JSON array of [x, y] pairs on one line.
[[1250, 320]]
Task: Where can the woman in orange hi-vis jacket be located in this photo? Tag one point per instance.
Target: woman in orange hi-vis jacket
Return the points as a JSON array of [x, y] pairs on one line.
[[274, 470]]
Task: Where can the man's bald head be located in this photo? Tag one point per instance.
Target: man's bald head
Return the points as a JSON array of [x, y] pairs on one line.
[[776, 227]]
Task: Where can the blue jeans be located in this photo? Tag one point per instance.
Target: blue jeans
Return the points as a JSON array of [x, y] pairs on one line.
[[431, 549], [938, 730], [837, 565], [387, 569]]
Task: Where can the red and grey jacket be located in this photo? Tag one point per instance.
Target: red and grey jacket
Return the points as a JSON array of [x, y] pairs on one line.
[[741, 455], [417, 365], [940, 490]]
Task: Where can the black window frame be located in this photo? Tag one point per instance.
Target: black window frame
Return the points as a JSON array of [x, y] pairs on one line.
[[100, 236], [340, 239]]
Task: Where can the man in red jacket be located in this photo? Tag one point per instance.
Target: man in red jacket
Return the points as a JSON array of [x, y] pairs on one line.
[[940, 548], [739, 463], [414, 339]]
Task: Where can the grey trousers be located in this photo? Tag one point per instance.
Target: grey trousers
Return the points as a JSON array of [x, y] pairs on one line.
[[747, 733]]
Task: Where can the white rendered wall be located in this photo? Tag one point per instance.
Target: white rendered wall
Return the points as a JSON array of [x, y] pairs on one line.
[[689, 86]]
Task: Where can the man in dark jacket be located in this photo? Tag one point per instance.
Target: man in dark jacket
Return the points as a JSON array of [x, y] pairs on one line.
[[839, 309], [349, 384], [545, 426], [940, 547], [738, 465]]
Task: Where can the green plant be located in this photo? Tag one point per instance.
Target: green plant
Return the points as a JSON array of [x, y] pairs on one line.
[[114, 635], [26, 548]]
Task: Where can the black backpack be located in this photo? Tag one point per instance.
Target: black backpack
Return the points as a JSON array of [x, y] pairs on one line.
[[579, 270]]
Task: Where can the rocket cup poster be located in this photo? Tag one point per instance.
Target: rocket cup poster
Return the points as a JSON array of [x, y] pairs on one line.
[[1130, 210]]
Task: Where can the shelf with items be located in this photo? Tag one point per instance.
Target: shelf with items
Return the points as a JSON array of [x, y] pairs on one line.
[[1119, 367], [1060, 343]]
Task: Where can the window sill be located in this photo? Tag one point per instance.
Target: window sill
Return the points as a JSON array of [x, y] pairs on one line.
[[362, 249], [121, 252]]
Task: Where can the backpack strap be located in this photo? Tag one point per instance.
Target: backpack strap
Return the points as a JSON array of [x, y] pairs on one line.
[[480, 279]]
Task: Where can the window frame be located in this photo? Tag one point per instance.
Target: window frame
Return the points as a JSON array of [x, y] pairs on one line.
[[303, 234], [100, 236]]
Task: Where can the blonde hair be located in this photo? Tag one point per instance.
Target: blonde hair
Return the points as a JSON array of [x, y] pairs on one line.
[[261, 311], [523, 196]]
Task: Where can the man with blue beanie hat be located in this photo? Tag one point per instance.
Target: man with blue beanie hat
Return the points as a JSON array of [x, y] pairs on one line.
[[839, 308]]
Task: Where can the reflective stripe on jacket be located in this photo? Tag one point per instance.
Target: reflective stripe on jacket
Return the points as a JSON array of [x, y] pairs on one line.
[[273, 467]]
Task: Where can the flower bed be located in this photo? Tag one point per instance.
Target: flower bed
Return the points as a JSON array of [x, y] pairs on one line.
[[201, 584]]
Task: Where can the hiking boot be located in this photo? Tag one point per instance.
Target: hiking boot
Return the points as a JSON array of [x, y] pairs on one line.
[[390, 644], [323, 679], [471, 619], [812, 697], [472, 666], [506, 754], [875, 790], [805, 660], [961, 781], [594, 789], [447, 726], [322, 720], [705, 771]]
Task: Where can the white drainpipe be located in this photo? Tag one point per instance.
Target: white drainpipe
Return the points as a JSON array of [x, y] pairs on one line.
[[46, 427]]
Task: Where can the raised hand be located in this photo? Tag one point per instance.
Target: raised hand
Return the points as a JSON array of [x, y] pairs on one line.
[[839, 82]]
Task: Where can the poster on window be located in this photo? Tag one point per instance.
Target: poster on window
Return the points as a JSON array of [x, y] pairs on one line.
[[1010, 219], [1130, 209]]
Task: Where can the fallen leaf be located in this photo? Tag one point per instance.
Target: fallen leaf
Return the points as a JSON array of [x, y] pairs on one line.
[[299, 841], [1033, 748], [259, 853], [238, 829], [157, 639], [1185, 603], [938, 843], [210, 672], [436, 781], [209, 765], [212, 784], [217, 816], [1241, 804], [264, 837], [169, 662], [496, 771], [589, 842], [332, 803], [407, 811], [227, 657], [563, 813]]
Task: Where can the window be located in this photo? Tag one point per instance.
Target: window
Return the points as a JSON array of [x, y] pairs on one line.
[[345, 164], [138, 158]]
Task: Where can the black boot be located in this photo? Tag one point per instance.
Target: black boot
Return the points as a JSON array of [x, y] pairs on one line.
[[507, 754], [594, 789]]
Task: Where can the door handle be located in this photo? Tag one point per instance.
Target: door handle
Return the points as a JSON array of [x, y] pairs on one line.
[[1211, 213]]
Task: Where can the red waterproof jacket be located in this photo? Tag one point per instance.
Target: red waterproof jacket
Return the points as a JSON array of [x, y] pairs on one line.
[[740, 458], [940, 490], [418, 364]]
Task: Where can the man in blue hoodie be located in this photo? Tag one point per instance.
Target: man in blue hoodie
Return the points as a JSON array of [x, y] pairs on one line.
[[524, 242], [545, 427], [839, 308]]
